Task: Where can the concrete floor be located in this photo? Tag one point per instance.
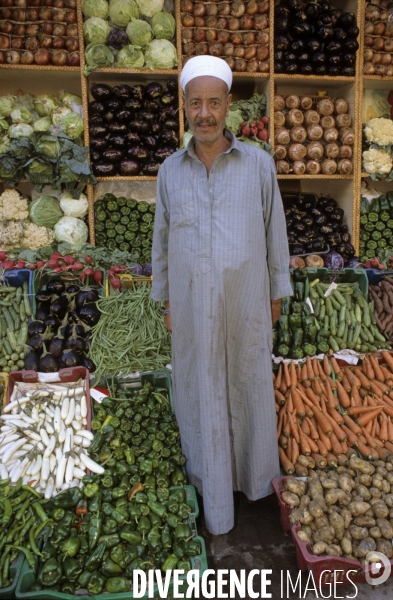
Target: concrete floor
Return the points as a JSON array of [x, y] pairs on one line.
[[258, 542]]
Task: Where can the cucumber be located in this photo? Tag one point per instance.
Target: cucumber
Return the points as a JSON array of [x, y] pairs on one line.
[[26, 300], [11, 339], [333, 344], [339, 297], [9, 319]]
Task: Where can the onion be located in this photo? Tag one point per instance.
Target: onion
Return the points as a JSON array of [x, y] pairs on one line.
[[211, 35], [32, 44], [224, 9], [345, 151], [73, 59], [311, 117], [211, 22], [58, 3], [13, 57], [299, 167], [58, 43], [186, 6], [199, 22], [280, 152], [4, 42], [379, 28], [17, 43], [70, 17], [7, 3], [72, 44], [249, 38], [282, 136], [305, 102], [188, 20], [368, 69], [236, 38], [368, 54], [233, 24], [211, 10], [345, 166], [332, 150], [222, 23], [240, 65], [292, 101], [6, 26], [201, 49], [42, 57], [298, 134], [70, 3], [246, 22], [297, 151], [45, 14], [282, 167], [252, 7], [189, 49], [372, 13], [368, 40], [346, 136], [261, 22], [72, 30], [230, 62], [314, 150], [238, 8], [229, 50], [19, 29], [369, 28], [27, 58], [388, 45], [378, 43], [59, 29], [262, 52], [33, 14], [386, 58], [223, 37], [239, 52], [199, 9], [330, 135], [59, 16], [279, 118], [46, 2], [380, 70], [313, 167], [325, 107], [279, 102], [263, 7], [215, 49], [389, 71], [294, 117], [252, 67], [20, 3], [198, 35], [262, 37], [19, 14], [3, 58], [59, 58], [327, 122], [344, 120], [46, 41], [264, 66], [7, 13], [314, 132], [45, 28], [187, 34]]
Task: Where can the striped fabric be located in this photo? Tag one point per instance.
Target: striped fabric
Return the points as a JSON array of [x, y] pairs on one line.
[[220, 254]]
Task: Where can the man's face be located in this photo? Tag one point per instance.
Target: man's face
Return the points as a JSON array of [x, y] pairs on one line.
[[206, 105]]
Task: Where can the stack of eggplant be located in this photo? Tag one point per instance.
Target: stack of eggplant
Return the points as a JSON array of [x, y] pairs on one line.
[[132, 129], [59, 336]]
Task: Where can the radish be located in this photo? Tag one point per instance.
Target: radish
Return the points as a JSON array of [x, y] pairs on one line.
[[52, 263], [263, 135], [69, 260], [254, 131], [8, 264], [265, 120], [98, 276], [260, 125], [65, 268], [111, 272], [119, 269], [89, 271], [3, 255], [32, 266], [20, 264], [246, 131], [88, 259], [253, 124], [56, 255], [82, 275], [115, 283], [78, 266], [40, 264]]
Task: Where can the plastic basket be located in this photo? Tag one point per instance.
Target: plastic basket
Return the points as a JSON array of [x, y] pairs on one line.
[[285, 510], [15, 572], [357, 275], [126, 281], [17, 277], [323, 568], [375, 276], [4, 383]]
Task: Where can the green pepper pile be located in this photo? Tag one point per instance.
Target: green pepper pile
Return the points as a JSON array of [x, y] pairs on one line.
[[15, 310], [130, 517], [343, 319], [376, 225], [125, 224]]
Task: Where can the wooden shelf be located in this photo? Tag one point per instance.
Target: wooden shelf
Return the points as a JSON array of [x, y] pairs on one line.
[[120, 178], [145, 72], [328, 80], [307, 176], [58, 70]]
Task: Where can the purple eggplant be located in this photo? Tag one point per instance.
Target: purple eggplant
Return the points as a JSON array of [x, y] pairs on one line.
[[101, 92], [112, 155], [133, 138], [153, 90], [150, 141], [156, 127], [69, 359], [138, 153], [172, 85], [150, 168], [168, 138], [118, 38], [162, 153], [138, 91], [133, 104], [117, 141], [172, 124], [168, 112], [95, 156], [122, 92], [98, 131], [96, 108], [151, 106], [139, 126], [109, 116], [145, 115], [114, 105], [124, 116], [98, 144], [116, 127], [97, 120], [104, 169], [129, 168], [168, 98]]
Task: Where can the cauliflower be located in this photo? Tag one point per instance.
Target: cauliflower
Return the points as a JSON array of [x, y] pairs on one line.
[[13, 206], [379, 131], [10, 235], [35, 237], [377, 161]]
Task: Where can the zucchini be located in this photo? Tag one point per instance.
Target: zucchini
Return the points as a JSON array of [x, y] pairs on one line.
[[26, 300], [333, 344]]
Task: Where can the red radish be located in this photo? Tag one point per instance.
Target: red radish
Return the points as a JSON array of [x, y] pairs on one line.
[[265, 120], [111, 272], [57, 270], [254, 131], [55, 255], [263, 135], [3, 256], [77, 266], [260, 125], [69, 260], [64, 268], [246, 131], [89, 271], [115, 283], [88, 259], [97, 276], [82, 275], [53, 263], [253, 124], [119, 268], [40, 264], [32, 267], [20, 264], [243, 124], [8, 264]]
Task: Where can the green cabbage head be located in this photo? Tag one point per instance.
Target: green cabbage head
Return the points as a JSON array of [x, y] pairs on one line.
[[49, 146], [45, 211], [3, 126], [95, 8], [160, 54], [130, 57], [68, 100], [45, 104], [99, 55], [71, 230], [21, 115], [20, 130], [149, 8], [96, 30], [163, 25], [6, 105], [122, 11], [139, 32], [72, 125], [42, 124], [5, 144], [40, 172]]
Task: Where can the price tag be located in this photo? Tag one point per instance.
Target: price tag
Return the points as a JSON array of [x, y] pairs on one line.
[[308, 301], [331, 289], [97, 395]]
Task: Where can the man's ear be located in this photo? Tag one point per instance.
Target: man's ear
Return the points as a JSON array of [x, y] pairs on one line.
[[184, 102], [229, 100]]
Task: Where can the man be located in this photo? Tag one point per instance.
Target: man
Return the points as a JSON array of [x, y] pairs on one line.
[[220, 264]]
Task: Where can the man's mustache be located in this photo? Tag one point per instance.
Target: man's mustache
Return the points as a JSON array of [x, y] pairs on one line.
[[204, 122]]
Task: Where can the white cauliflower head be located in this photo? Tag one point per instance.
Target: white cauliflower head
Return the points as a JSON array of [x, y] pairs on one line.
[[35, 237], [379, 131], [10, 235], [377, 161], [13, 206]]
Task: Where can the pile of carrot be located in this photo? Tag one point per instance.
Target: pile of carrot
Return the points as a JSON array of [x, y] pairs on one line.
[[326, 413]]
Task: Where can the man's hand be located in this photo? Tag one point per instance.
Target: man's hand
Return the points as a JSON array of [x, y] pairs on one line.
[[276, 309], [167, 318]]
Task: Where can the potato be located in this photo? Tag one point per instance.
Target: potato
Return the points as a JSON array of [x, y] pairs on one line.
[[337, 522], [346, 483], [302, 460], [333, 550], [333, 475], [311, 463], [363, 491], [346, 543], [295, 515], [304, 537], [304, 501], [386, 528], [388, 499], [361, 466], [386, 487], [315, 488], [295, 486], [385, 547], [347, 516], [388, 467], [329, 484], [382, 471], [390, 458], [378, 463], [315, 509], [380, 510], [307, 529], [312, 526], [333, 508], [326, 534], [290, 499], [337, 495], [319, 548], [375, 532], [377, 481], [364, 521], [305, 517], [389, 476], [321, 522], [364, 479], [367, 545], [375, 492], [341, 469], [391, 513], [358, 533], [358, 508]]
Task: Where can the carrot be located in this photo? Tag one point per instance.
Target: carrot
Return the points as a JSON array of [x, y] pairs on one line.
[[286, 464], [369, 428], [316, 386], [325, 439], [363, 392], [358, 410], [333, 384], [294, 428], [336, 415], [310, 372], [389, 446], [365, 418], [350, 376], [326, 366], [319, 460], [346, 385], [302, 393], [336, 446], [283, 387], [304, 375], [355, 395], [366, 451], [277, 382], [313, 432], [283, 441], [323, 421], [362, 378], [315, 364], [371, 401], [383, 428], [372, 442], [343, 396], [321, 448], [388, 359], [367, 369], [387, 409], [280, 422], [344, 446], [336, 368], [298, 403], [322, 375], [388, 376], [385, 389], [287, 376], [351, 437], [339, 433], [342, 461], [288, 449], [301, 471], [295, 451], [383, 453], [304, 445], [332, 401], [375, 389], [377, 370], [354, 427], [374, 428], [286, 427], [305, 427], [292, 373], [332, 460], [279, 397], [390, 429], [311, 395]]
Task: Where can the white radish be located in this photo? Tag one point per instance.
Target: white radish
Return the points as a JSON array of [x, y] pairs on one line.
[[81, 466], [65, 486], [3, 472], [78, 473], [20, 471], [27, 446], [40, 446], [61, 467], [49, 488], [33, 435], [64, 408], [52, 463], [50, 447], [91, 464], [77, 439], [71, 412], [45, 469], [69, 440], [69, 474], [49, 429], [12, 449], [84, 422], [58, 454], [57, 419], [49, 412], [76, 425], [15, 469], [86, 434], [25, 479], [78, 415], [36, 468], [86, 443], [44, 437], [15, 404], [8, 439], [83, 406]]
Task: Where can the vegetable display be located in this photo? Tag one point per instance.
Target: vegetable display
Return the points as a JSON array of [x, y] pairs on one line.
[[15, 310], [60, 334], [320, 318], [314, 38], [376, 225], [236, 31], [325, 413], [130, 335], [128, 34], [316, 225], [248, 121], [378, 42], [132, 129], [377, 148], [313, 136], [382, 296], [39, 33], [45, 436], [125, 224]]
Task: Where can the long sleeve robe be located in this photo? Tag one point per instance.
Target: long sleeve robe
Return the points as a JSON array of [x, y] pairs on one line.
[[220, 254]]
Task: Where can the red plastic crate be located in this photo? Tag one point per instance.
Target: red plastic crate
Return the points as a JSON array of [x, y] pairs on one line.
[[285, 510], [323, 567]]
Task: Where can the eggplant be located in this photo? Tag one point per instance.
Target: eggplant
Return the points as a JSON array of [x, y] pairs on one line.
[[122, 92], [302, 29], [325, 19], [311, 233], [69, 359], [139, 126], [59, 307], [35, 328], [76, 329], [325, 33], [312, 10], [172, 124], [56, 346], [97, 131], [281, 42], [124, 116], [313, 45], [300, 15], [89, 313], [333, 239], [138, 153], [302, 239], [347, 20], [281, 11], [347, 249], [308, 221], [290, 57], [97, 120], [117, 141], [168, 112], [326, 230], [133, 138], [138, 92], [55, 286], [86, 295], [322, 203], [340, 34], [129, 168], [333, 47], [306, 69], [156, 127], [298, 45], [315, 212], [109, 117], [98, 144], [337, 215], [293, 4], [151, 106], [88, 364], [153, 90], [104, 169], [348, 71], [343, 228], [36, 343], [114, 105], [116, 127], [304, 57], [299, 228], [43, 296], [335, 225], [318, 246], [282, 25], [349, 59], [318, 58], [168, 137], [52, 322], [291, 68], [291, 238], [133, 104], [145, 115], [101, 92], [75, 343], [334, 60], [346, 238], [168, 99], [353, 32], [325, 5], [117, 38], [171, 85], [72, 289], [322, 220], [150, 168], [112, 155], [162, 153], [31, 359], [307, 205], [320, 70], [298, 249], [150, 141], [279, 67], [290, 224], [336, 13], [48, 363], [297, 217], [350, 45], [96, 108]]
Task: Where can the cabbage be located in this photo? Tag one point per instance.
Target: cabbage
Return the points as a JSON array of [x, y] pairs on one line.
[[99, 55], [160, 54], [45, 104], [3, 126], [139, 32], [96, 30], [163, 26], [150, 7], [45, 211], [95, 8], [130, 57], [48, 146], [59, 114], [40, 172], [6, 105], [122, 11], [69, 100], [21, 115], [5, 144], [42, 124], [20, 130], [72, 125], [71, 230], [72, 207]]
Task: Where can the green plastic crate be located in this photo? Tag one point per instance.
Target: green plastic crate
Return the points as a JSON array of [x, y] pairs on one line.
[[17, 277], [15, 571], [357, 275]]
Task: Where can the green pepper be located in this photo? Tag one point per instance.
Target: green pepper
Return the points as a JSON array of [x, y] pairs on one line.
[[323, 347], [154, 540], [48, 551], [141, 498], [109, 540], [172, 520], [110, 526], [134, 510], [286, 305], [106, 508], [183, 532], [95, 530], [184, 510], [95, 503], [120, 515], [166, 537], [68, 499], [300, 274], [151, 496], [129, 455], [129, 535], [84, 578], [284, 338], [170, 563], [70, 546], [91, 490], [108, 481], [146, 467], [295, 322], [157, 508], [57, 514], [96, 583], [106, 495], [67, 588], [309, 350], [110, 568], [121, 503], [296, 353], [143, 526], [155, 520], [118, 492], [192, 548], [95, 559], [177, 550], [297, 338], [178, 478], [150, 483], [50, 572], [184, 565], [117, 585], [71, 569], [172, 505], [310, 334], [283, 350], [84, 545], [283, 323], [117, 554], [122, 468]]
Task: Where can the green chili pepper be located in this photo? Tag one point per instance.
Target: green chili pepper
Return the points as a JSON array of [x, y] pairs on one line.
[[70, 546], [95, 503], [109, 568], [183, 532], [166, 537], [110, 540], [143, 526], [84, 578], [95, 559], [117, 554], [157, 509], [71, 569], [170, 563], [96, 583], [68, 499], [95, 530], [184, 510], [110, 526], [50, 572], [129, 535], [117, 585], [172, 520], [84, 545], [118, 492]]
